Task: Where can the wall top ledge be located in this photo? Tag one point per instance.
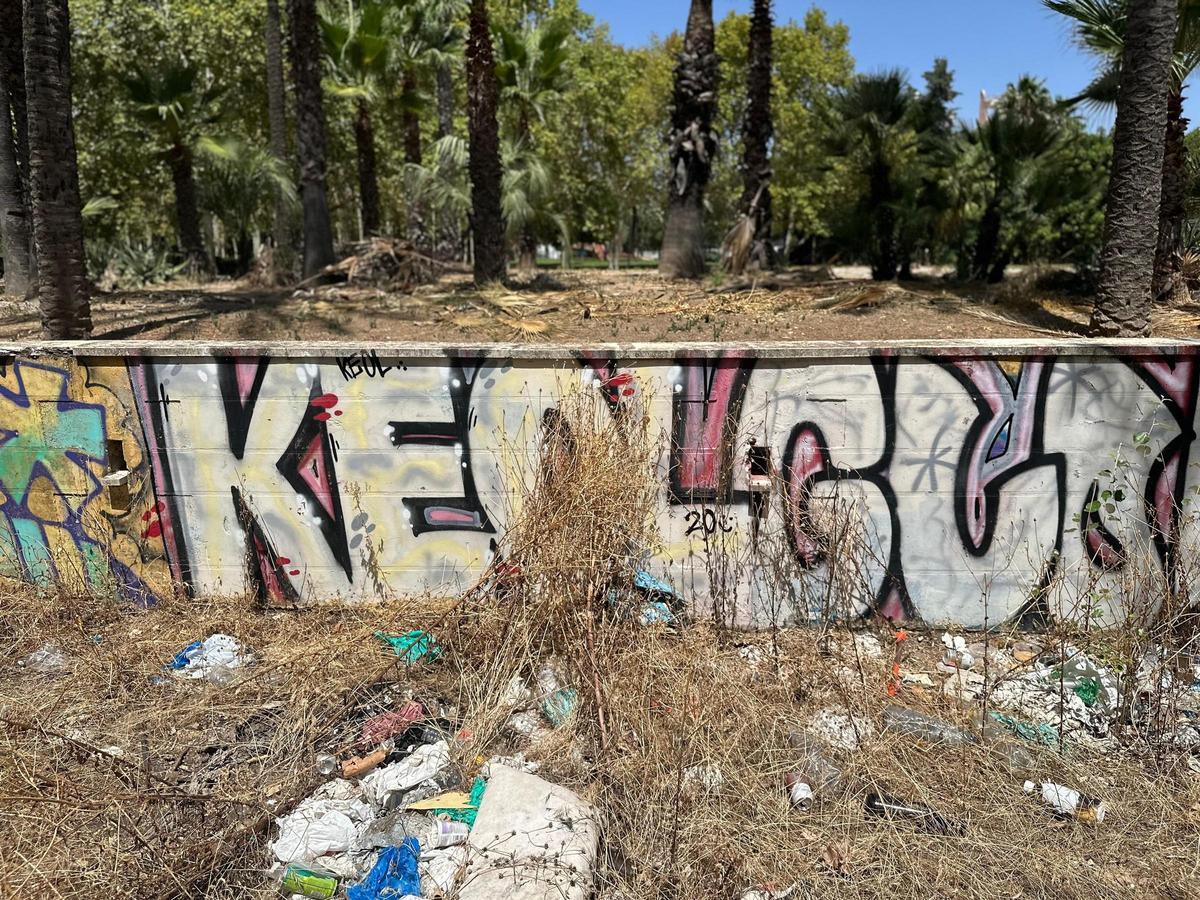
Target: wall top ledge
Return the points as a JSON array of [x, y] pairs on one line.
[[626, 352]]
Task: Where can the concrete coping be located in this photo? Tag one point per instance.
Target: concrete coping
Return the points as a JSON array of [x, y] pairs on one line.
[[625, 352]]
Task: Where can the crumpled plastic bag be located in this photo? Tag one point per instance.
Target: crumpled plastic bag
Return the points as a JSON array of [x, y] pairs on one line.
[[327, 822], [206, 658], [420, 765], [439, 869], [395, 875], [48, 659]]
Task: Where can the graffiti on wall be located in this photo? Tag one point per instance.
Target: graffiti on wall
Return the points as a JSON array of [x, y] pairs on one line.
[[979, 480]]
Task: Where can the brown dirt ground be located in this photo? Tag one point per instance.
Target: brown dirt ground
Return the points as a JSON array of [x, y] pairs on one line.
[[598, 305]]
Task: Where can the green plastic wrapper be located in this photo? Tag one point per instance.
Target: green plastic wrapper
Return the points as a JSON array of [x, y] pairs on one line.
[[412, 646], [1087, 690], [466, 815], [299, 880]]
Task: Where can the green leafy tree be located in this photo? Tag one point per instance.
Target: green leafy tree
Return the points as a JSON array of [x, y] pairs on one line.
[[531, 70], [602, 143], [922, 222]]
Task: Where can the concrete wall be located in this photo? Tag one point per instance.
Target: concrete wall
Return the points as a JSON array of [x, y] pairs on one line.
[[331, 471]]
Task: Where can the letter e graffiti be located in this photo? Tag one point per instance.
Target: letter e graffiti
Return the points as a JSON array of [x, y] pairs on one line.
[[465, 513]]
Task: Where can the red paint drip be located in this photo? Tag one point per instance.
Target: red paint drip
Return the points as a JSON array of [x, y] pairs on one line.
[[282, 560], [293, 571], [146, 515], [159, 506], [628, 392], [618, 380], [325, 401], [153, 530], [321, 416], [337, 412]]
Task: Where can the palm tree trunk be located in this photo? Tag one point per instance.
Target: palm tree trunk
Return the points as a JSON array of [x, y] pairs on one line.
[[1169, 285], [410, 122], [1135, 187], [283, 228], [757, 132], [20, 266], [989, 238], [368, 178], [487, 220], [693, 145], [14, 219], [527, 240], [62, 285], [310, 130], [445, 101], [883, 262], [187, 209]]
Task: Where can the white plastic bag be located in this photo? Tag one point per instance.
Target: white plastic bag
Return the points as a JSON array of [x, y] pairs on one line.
[[327, 822], [420, 765]]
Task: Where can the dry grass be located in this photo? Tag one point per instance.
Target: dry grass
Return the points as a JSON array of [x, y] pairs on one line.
[[114, 786]]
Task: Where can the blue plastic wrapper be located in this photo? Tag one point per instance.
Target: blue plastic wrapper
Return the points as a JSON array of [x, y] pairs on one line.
[[184, 656], [394, 875]]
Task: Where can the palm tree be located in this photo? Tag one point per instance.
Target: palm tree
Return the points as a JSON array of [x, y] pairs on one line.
[[531, 71], [62, 284], [282, 227], [1135, 186], [1026, 127], [1100, 26], [310, 131], [693, 144], [444, 38], [487, 220], [14, 158], [357, 48], [757, 130], [868, 130], [527, 199], [240, 182], [171, 102]]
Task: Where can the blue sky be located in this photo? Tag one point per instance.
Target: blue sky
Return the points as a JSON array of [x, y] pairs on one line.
[[988, 42]]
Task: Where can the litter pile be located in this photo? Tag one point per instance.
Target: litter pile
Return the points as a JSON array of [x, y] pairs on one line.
[[399, 819], [387, 262]]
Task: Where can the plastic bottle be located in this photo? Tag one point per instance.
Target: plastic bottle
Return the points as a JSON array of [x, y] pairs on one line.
[[308, 881], [1068, 802], [914, 724], [885, 807], [557, 701], [815, 773], [327, 764], [446, 834]]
